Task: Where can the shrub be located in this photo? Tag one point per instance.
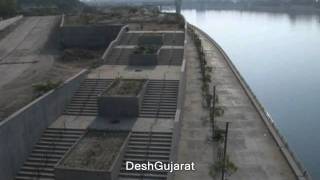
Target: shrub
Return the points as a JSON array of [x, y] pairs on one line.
[[216, 168], [42, 88]]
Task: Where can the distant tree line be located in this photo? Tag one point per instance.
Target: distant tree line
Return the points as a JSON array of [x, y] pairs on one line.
[[63, 5], [7, 8]]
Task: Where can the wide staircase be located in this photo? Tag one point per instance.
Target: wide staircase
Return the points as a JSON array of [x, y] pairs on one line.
[[159, 101], [84, 101], [51, 147], [144, 147]]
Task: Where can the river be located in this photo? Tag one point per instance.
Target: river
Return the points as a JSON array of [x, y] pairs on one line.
[[279, 56]]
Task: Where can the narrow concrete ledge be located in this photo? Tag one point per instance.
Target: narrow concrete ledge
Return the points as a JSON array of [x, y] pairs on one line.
[[136, 72], [8, 22]]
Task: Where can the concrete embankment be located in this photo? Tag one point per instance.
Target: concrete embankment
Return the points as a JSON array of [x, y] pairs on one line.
[[297, 168], [254, 144]]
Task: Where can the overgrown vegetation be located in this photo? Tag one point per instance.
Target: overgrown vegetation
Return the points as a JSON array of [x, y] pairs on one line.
[[125, 87], [217, 167], [205, 69], [7, 8], [42, 88], [211, 100]]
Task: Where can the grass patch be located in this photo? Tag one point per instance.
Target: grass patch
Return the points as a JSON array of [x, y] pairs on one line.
[[125, 87], [42, 88]]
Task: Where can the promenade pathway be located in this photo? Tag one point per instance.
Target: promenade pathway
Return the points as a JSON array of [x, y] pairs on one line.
[[250, 145]]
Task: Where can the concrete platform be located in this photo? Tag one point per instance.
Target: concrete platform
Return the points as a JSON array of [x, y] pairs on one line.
[[134, 124], [136, 72], [73, 122], [250, 145]]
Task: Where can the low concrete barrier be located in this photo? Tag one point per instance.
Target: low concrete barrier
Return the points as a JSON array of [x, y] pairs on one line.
[[114, 42], [179, 113], [20, 131], [6, 23], [297, 168]]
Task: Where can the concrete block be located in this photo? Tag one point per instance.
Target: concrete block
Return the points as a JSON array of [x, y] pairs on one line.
[[120, 105], [151, 40], [143, 60]]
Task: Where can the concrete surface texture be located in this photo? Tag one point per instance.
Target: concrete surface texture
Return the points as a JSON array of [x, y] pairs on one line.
[[250, 145], [24, 60], [22, 130], [194, 145], [7, 22], [88, 36], [136, 72]]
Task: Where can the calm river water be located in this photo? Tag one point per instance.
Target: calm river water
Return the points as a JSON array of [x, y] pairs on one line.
[[279, 56]]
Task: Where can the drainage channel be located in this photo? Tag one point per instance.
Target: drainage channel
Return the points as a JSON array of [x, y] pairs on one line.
[[51, 147]]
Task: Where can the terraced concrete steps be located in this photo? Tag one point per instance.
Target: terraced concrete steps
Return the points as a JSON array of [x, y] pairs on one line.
[[144, 147], [160, 99], [84, 101], [47, 152], [121, 56], [173, 38]]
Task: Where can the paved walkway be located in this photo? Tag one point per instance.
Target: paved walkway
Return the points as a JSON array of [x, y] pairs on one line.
[[194, 144], [250, 145]]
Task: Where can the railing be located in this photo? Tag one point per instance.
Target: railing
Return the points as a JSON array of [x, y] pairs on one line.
[[298, 169]]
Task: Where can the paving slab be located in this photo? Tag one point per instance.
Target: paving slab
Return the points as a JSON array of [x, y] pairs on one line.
[[73, 122], [251, 146], [136, 72]]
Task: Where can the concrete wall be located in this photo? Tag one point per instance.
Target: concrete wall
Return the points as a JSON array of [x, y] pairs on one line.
[[143, 59], [87, 36], [114, 43], [20, 131], [179, 112]]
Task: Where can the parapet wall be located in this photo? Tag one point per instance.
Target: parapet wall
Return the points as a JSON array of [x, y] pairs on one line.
[[20, 131], [87, 36], [179, 113]]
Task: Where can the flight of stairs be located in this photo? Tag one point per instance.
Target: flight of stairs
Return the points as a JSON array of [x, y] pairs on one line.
[[51, 147], [84, 101], [160, 99], [143, 147]]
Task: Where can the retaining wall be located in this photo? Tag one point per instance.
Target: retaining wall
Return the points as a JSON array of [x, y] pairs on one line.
[[8, 22], [87, 36], [297, 168], [114, 42], [20, 131]]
